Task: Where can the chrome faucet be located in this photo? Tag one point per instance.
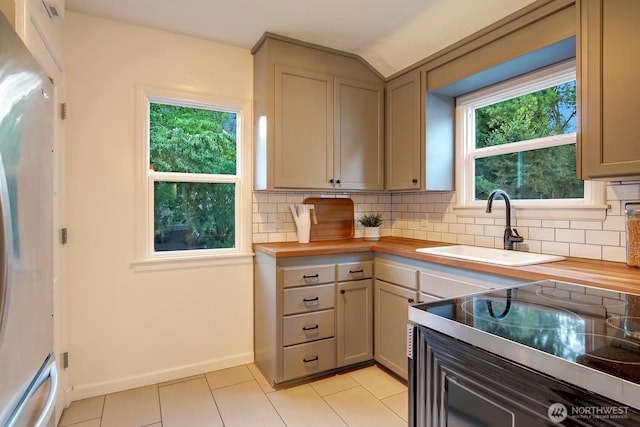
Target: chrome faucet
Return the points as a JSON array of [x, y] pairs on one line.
[[511, 235]]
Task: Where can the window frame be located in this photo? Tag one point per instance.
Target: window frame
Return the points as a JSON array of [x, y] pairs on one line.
[[591, 206], [146, 255]]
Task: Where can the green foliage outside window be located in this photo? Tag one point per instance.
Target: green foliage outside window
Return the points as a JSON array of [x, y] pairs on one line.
[[546, 173], [192, 215]]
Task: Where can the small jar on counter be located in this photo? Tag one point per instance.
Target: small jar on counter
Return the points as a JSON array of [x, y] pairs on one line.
[[632, 212]]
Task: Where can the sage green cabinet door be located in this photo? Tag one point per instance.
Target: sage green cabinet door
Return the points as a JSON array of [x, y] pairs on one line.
[[403, 141], [359, 135], [354, 304], [303, 153], [608, 88], [390, 325]]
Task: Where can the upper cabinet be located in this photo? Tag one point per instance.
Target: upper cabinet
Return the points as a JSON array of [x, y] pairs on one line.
[[318, 119], [403, 153], [608, 88]]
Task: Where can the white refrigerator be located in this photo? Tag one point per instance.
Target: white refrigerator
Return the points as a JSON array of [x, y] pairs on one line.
[[28, 378]]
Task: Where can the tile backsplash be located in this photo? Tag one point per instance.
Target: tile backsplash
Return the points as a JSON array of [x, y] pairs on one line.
[[430, 216]]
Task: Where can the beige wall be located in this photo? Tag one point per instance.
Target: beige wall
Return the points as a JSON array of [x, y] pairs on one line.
[[127, 328]]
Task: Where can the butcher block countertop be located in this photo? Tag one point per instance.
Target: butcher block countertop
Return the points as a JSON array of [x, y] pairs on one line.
[[603, 274]]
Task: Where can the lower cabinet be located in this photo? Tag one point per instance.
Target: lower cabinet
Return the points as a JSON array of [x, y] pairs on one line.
[[396, 287], [392, 316], [312, 314], [354, 333]]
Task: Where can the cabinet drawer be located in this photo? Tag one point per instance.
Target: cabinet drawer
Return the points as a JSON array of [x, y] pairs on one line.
[[355, 271], [308, 275], [446, 287], [399, 275], [305, 327], [308, 359], [312, 298]]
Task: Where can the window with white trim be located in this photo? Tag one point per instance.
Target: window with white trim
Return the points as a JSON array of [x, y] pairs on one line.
[[520, 136], [193, 175]]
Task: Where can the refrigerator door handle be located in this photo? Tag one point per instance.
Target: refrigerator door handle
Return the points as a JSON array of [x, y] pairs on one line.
[[47, 409], [5, 242]]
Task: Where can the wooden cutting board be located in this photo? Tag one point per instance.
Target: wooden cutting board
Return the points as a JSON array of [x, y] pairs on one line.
[[334, 217]]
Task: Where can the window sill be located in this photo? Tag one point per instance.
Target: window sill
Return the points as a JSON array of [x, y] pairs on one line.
[[190, 262], [575, 212]]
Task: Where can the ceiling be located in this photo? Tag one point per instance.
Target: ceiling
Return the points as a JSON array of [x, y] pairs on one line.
[[390, 34]]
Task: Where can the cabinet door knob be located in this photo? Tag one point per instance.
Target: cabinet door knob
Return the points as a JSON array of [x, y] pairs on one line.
[[342, 291], [338, 182], [414, 180], [331, 181], [411, 300]]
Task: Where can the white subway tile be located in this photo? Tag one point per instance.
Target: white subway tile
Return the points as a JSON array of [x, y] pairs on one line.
[[268, 207], [435, 236], [587, 225], [571, 236], [605, 238], [457, 228], [421, 235], [530, 246], [277, 198], [542, 233], [614, 253], [465, 220], [585, 251], [465, 239], [485, 220], [475, 229], [527, 223], [449, 238], [449, 218], [555, 224], [442, 227], [555, 248], [616, 223], [493, 230], [485, 241]]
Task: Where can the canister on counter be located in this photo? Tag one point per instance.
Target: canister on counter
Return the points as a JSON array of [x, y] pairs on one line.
[[632, 212]]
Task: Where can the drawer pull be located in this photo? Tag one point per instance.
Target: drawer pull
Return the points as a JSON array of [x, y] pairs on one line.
[[411, 300], [356, 271], [311, 299], [311, 276], [310, 328], [313, 359]]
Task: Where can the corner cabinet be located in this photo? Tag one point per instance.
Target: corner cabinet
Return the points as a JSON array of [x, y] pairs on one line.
[[608, 88], [403, 155], [319, 119]]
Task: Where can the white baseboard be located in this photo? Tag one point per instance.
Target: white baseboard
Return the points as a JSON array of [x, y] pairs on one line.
[[83, 391]]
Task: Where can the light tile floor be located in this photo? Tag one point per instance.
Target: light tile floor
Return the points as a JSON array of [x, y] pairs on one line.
[[242, 397]]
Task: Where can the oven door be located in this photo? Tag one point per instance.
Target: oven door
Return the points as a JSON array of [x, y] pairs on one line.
[[454, 384]]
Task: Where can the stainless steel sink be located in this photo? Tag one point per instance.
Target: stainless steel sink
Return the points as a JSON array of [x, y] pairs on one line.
[[490, 255]]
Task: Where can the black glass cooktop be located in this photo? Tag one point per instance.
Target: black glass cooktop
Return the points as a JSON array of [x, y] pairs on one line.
[[589, 326]]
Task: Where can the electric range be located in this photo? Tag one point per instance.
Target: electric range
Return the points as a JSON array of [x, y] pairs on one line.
[[588, 337]]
